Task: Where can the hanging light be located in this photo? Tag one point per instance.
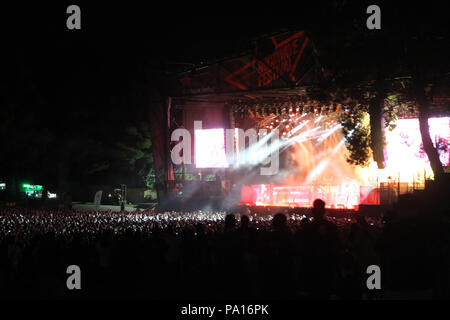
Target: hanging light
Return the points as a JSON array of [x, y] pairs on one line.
[[257, 110]]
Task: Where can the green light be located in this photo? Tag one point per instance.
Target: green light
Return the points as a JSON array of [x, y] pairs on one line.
[[29, 187]]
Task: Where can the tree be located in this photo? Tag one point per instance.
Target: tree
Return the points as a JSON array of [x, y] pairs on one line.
[[418, 62], [422, 100], [135, 146], [356, 130]]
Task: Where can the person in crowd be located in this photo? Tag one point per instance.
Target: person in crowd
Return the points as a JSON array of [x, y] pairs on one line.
[[321, 255]]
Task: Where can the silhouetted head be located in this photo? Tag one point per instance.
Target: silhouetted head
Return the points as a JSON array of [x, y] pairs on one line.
[[279, 221], [155, 231], [230, 221], [200, 229], [169, 229], [362, 222], [106, 237], [245, 221], [318, 210], [304, 222]]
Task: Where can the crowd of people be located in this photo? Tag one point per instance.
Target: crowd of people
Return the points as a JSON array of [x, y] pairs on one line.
[[302, 254]]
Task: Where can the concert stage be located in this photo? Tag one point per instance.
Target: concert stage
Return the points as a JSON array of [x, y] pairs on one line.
[[347, 195]]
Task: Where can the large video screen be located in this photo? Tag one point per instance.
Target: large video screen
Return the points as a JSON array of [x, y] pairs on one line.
[[210, 148], [404, 144]]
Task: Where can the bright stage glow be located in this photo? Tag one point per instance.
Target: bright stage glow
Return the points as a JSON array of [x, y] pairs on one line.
[[210, 148], [316, 167], [319, 169], [405, 155]]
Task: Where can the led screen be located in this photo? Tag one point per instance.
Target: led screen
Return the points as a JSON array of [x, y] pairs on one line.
[[210, 148], [404, 144]]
